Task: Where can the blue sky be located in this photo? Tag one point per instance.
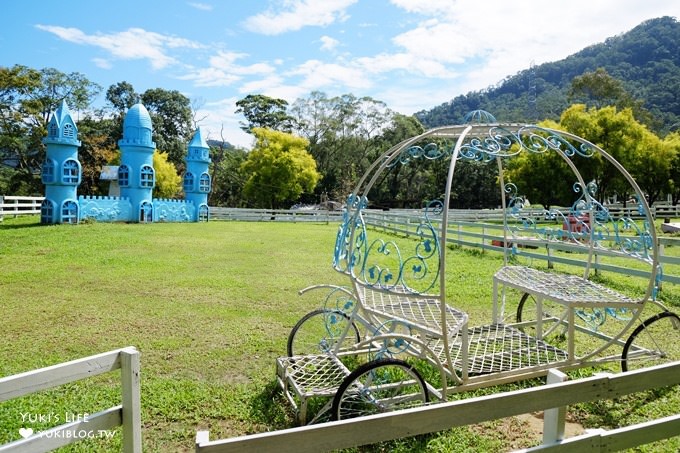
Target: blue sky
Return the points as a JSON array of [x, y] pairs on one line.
[[410, 54]]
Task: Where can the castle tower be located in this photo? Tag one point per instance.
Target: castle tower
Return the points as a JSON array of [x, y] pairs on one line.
[[136, 175], [197, 183], [61, 171]]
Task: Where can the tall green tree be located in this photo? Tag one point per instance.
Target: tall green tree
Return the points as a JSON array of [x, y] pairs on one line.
[[341, 133], [278, 169], [27, 98], [542, 178], [673, 142], [599, 89], [121, 96], [616, 132], [228, 177], [99, 147], [264, 111]]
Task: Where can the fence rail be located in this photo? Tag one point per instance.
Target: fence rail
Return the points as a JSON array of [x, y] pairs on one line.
[[11, 205], [275, 215], [443, 416], [489, 236], [472, 228], [127, 414]]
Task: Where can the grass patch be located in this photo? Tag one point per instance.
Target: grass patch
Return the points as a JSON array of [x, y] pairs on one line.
[[209, 306]]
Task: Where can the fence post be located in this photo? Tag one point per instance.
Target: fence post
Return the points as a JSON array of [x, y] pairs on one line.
[[2, 208], [553, 419], [132, 420], [660, 249]]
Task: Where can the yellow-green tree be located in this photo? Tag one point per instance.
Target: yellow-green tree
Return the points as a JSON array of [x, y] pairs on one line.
[[642, 153], [168, 182], [278, 169], [544, 178]]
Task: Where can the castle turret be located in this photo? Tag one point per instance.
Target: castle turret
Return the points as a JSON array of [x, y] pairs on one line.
[[197, 183], [136, 175], [61, 171]]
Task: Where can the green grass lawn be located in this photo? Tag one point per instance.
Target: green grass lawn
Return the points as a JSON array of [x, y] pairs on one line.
[[209, 306]]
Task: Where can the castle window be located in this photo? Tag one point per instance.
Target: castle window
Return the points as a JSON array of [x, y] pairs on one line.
[[146, 212], [123, 176], [46, 212], [70, 173], [203, 213], [53, 130], [69, 131], [48, 171], [69, 212], [146, 177], [188, 182], [204, 183]]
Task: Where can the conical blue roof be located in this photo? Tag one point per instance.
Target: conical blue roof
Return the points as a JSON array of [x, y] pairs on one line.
[[198, 148], [198, 141], [62, 128]]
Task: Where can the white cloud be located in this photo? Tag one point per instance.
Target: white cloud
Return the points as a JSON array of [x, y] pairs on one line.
[[132, 44], [221, 122], [201, 6], [497, 40], [318, 74], [328, 43], [297, 14], [224, 71], [102, 63]]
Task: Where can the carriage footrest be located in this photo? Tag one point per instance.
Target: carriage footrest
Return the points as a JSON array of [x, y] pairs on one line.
[[309, 376]]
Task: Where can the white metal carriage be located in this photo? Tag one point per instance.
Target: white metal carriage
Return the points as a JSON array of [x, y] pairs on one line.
[[396, 336]]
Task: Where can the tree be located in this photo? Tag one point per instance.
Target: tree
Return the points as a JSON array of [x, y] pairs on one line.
[[278, 169], [599, 89], [228, 178], [98, 148], [168, 182], [673, 141], [121, 96], [16, 83], [542, 178], [264, 111], [172, 122], [226, 174], [27, 98], [614, 131], [55, 87], [341, 133]]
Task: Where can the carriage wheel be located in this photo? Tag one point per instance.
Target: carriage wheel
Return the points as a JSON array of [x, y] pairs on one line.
[[379, 386], [319, 332], [653, 342], [526, 311]]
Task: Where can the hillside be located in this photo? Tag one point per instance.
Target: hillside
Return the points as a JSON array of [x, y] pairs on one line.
[[646, 59]]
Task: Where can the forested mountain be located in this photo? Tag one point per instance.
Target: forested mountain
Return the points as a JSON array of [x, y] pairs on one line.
[[646, 60]]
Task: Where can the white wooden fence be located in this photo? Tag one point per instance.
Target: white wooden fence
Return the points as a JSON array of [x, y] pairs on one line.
[[127, 414], [464, 228], [11, 205], [439, 417]]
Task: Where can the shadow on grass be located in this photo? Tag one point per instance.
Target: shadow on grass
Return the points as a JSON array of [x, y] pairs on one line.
[[269, 407], [17, 226]]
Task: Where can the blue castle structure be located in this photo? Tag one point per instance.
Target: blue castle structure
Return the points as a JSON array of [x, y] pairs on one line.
[[61, 174], [61, 170]]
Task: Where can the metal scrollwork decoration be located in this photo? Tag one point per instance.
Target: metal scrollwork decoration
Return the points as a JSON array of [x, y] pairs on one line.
[[342, 253], [410, 266]]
